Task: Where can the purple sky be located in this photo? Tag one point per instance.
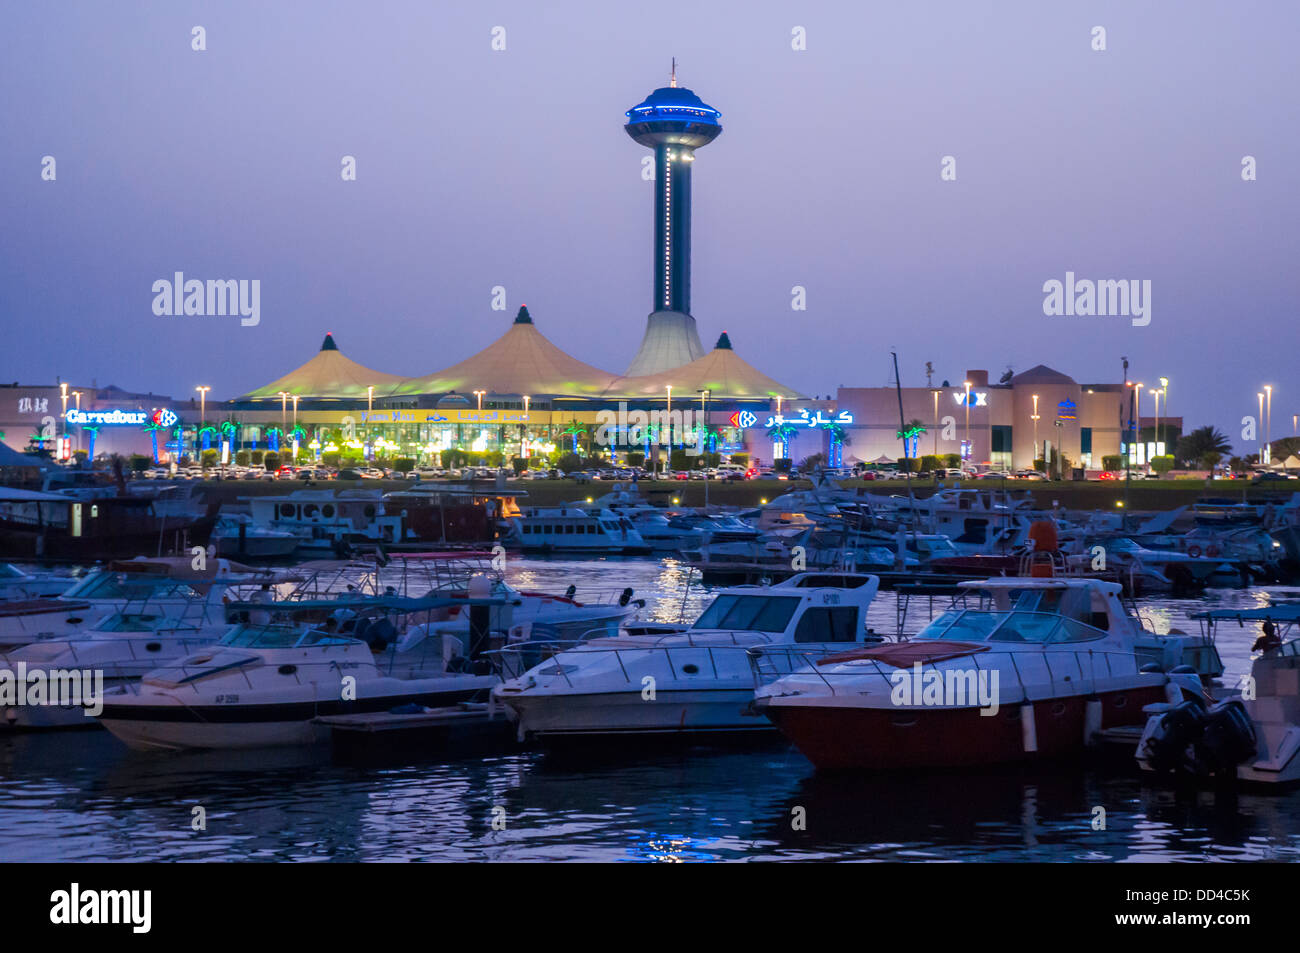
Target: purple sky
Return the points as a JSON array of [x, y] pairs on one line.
[[479, 168]]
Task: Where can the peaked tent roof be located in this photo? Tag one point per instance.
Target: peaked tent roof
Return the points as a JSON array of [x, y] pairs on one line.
[[722, 372], [328, 374], [521, 361], [1041, 374]]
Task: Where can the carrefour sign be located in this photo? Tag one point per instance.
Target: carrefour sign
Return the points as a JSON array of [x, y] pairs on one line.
[[108, 418], [806, 419]]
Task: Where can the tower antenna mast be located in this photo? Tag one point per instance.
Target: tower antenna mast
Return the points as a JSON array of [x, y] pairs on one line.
[[672, 79]]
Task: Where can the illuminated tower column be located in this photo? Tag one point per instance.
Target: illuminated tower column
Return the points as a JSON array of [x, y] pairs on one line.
[[674, 122]]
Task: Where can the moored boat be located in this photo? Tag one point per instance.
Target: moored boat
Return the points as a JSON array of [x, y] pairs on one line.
[[693, 683], [1039, 669]]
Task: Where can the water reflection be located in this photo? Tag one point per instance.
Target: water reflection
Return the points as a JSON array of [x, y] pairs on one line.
[[83, 796]]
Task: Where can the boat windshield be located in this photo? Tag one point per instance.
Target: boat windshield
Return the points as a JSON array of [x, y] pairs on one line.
[[1041, 628], [748, 613], [111, 585], [129, 622], [279, 637]]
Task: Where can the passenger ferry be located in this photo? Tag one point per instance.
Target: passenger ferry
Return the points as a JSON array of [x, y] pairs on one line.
[[572, 529], [324, 521]]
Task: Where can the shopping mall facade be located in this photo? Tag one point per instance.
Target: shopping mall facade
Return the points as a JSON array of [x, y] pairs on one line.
[[726, 411]]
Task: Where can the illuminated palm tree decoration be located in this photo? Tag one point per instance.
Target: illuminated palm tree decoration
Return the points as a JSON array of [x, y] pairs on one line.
[[273, 435], [911, 437], [575, 430], [90, 447], [781, 434], [153, 427], [206, 436], [839, 437]]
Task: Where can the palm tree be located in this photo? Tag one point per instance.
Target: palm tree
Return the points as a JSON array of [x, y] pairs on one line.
[[1201, 445]]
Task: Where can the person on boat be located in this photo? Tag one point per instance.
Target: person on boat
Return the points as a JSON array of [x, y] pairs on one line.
[[261, 597], [1269, 640]]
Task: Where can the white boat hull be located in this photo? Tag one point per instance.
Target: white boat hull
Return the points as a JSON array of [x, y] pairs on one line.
[[627, 713]]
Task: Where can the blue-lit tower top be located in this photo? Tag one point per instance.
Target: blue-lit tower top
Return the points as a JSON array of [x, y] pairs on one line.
[[674, 122]]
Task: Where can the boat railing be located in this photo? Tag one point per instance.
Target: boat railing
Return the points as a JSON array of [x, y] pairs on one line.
[[516, 660], [311, 671], [139, 647], [858, 676]]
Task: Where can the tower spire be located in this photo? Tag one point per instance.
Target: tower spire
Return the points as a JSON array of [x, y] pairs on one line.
[[672, 78]]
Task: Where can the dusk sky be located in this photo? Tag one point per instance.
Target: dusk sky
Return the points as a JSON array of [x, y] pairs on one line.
[[478, 168]]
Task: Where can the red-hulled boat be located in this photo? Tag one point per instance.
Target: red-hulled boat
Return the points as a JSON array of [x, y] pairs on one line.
[[1037, 670]]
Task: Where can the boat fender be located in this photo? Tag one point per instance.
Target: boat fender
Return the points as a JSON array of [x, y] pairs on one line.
[[1092, 712], [1178, 729], [1211, 550], [1194, 551], [1028, 729], [625, 598], [1227, 740]]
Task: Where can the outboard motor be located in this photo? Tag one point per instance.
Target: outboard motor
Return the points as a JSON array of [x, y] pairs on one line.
[[1227, 740], [1179, 728], [570, 592], [377, 633], [480, 621]]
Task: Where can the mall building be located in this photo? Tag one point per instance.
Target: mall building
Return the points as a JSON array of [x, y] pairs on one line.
[[522, 396]]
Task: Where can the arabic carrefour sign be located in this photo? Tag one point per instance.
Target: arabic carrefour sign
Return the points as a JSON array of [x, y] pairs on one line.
[[815, 419]]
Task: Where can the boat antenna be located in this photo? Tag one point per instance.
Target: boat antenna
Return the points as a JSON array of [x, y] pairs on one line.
[[902, 428]]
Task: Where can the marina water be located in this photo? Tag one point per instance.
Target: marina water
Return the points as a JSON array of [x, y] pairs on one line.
[[82, 796]]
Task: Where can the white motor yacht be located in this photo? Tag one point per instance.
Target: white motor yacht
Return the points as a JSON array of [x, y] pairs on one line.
[[166, 584], [266, 683], [237, 535], [695, 682], [153, 628], [18, 585], [572, 529], [1038, 669]]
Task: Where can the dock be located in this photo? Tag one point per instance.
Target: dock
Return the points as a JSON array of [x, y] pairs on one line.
[[469, 726]]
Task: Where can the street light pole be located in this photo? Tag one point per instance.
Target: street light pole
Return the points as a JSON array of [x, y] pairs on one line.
[[524, 436], [704, 419], [1034, 417], [1260, 395], [1156, 442], [669, 422], [969, 449], [936, 422], [1268, 426]]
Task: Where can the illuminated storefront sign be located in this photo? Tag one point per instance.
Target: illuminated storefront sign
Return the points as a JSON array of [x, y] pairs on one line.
[[108, 418], [1066, 410], [814, 419], [447, 417], [978, 399], [742, 419]]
